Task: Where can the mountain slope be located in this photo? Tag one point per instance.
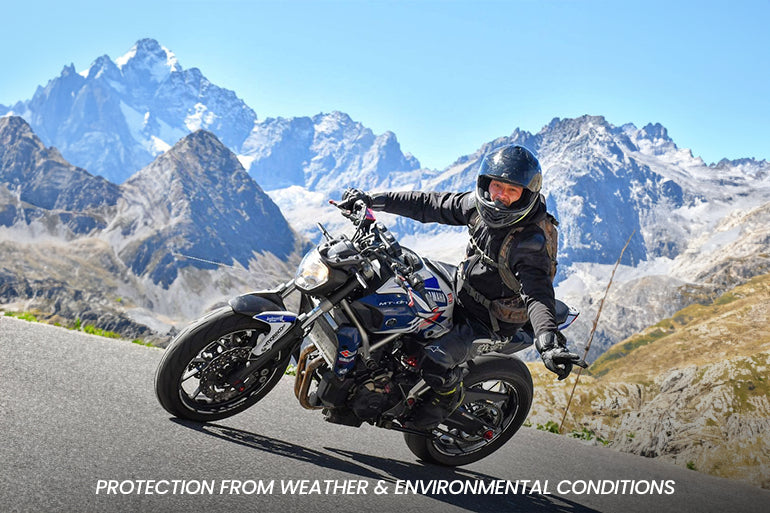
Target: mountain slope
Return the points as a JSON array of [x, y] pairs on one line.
[[327, 152], [138, 257], [692, 389], [40, 176], [604, 182], [210, 209]]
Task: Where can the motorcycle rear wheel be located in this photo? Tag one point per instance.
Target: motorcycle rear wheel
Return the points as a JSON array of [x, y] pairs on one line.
[[508, 376], [191, 379]]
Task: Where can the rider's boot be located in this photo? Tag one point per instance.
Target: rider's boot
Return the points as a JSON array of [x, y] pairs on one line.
[[437, 407], [445, 395]]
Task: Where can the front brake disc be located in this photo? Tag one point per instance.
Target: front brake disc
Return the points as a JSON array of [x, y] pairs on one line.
[[213, 379]]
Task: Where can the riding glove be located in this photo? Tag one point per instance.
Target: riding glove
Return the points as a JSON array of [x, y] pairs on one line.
[[351, 196], [556, 357]]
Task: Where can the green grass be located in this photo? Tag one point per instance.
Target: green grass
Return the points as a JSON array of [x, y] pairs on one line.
[[24, 316], [588, 434], [725, 298], [585, 434], [601, 365], [550, 426], [692, 313], [93, 330], [77, 326]]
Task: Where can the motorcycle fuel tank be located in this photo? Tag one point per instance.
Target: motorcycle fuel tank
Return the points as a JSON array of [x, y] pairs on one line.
[[404, 314]]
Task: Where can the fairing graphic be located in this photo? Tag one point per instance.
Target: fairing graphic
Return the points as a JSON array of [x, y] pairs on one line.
[[408, 312]]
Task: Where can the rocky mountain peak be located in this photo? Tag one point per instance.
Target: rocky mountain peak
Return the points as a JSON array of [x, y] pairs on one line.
[[652, 139], [68, 70], [195, 159], [13, 128], [655, 131], [335, 124], [42, 177], [210, 209], [103, 67], [586, 129], [582, 122], [148, 60], [751, 167]]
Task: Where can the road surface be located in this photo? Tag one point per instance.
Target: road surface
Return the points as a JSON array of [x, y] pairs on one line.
[[82, 431]]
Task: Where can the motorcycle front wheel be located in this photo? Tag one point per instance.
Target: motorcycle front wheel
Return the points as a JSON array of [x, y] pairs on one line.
[[193, 380], [509, 380]]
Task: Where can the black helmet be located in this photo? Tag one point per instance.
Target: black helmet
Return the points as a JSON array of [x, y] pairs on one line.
[[511, 164]]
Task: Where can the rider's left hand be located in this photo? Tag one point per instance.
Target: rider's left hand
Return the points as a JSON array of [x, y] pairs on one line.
[[556, 357]]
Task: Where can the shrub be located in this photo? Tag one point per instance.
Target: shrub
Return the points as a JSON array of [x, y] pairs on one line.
[[550, 426]]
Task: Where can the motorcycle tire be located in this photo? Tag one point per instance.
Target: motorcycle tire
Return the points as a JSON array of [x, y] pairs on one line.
[[508, 374], [207, 351]]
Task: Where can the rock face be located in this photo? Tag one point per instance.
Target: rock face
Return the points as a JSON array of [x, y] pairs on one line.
[[141, 257]]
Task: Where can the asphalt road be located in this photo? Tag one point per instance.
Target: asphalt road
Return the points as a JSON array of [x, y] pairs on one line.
[[82, 431]]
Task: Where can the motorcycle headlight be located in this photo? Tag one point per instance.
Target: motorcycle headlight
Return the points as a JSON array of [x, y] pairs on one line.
[[312, 272]]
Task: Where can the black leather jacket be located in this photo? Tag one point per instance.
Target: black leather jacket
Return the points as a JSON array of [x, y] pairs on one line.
[[528, 259]]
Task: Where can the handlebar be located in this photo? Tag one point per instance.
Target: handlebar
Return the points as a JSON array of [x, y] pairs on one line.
[[403, 268]]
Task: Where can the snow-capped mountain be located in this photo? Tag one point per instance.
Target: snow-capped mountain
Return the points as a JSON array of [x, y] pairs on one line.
[[115, 117], [325, 152], [697, 228], [603, 182]]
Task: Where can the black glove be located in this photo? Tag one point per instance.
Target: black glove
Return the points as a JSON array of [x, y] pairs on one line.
[[350, 196], [552, 347]]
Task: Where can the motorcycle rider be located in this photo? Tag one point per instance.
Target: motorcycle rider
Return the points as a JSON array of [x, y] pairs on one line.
[[505, 279]]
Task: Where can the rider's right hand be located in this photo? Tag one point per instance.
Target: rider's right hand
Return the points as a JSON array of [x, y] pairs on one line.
[[350, 196]]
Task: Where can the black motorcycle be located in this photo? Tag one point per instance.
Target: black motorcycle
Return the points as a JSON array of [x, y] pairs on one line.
[[366, 308]]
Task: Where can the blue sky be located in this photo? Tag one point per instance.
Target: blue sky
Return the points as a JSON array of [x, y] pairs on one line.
[[444, 76]]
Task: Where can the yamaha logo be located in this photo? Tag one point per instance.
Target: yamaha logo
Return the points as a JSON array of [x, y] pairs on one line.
[[437, 297]]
